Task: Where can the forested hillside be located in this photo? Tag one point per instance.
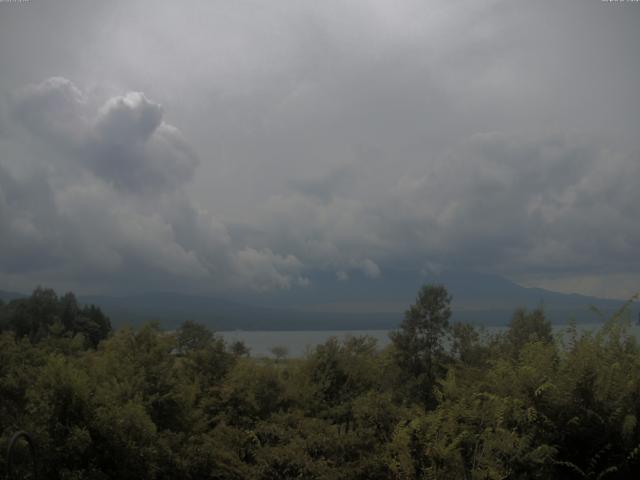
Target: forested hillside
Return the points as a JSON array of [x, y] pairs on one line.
[[442, 401]]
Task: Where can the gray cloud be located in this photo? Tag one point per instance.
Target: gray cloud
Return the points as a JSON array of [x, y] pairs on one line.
[[125, 142], [495, 202], [119, 213], [359, 137], [52, 109], [29, 224]]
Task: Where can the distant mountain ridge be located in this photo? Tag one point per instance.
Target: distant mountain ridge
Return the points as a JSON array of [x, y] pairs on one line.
[[7, 296], [477, 297], [360, 303]]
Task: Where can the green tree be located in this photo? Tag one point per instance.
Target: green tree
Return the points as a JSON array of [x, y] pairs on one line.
[[193, 336], [419, 342], [240, 349], [526, 327], [93, 324], [31, 317], [279, 352], [466, 345], [43, 315], [69, 310]]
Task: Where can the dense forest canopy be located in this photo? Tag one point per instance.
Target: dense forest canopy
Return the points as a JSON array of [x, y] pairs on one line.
[[441, 401], [45, 315]]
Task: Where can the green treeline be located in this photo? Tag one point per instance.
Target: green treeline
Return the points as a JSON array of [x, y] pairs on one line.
[[441, 402]]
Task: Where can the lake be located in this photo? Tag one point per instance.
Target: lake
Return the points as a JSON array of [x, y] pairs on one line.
[[298, 342], [260, 342]]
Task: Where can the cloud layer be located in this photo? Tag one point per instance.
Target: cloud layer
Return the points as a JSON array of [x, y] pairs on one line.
[[356, 138], [495, 202], [125, 142], [108, 204]]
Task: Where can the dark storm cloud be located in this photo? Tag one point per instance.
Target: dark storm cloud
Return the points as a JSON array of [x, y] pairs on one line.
[[326, 186], [52, 109], [498, 202], [29, 224], [125, 142], [118, 213], [359, 136], [136, 150]]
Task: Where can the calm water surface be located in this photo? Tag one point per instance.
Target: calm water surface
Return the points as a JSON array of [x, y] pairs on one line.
[[298, 342]]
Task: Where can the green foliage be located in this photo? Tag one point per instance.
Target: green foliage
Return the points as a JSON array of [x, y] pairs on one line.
[[193, 336], [528, 327], [240, 349], [45, 317], [467, 346], [279, 352], [419, 342], [143, 403]]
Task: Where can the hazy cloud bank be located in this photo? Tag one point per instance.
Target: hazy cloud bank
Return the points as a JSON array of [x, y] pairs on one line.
[[110, 205], [118, 212], [352, 138]]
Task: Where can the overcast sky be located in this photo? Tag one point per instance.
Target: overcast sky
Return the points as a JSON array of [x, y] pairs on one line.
[[213, 145]]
